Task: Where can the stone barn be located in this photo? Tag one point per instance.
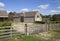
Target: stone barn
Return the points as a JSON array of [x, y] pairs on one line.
[[3, 16], [27, 17]]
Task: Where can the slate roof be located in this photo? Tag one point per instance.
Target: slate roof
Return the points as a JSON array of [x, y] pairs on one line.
[[30, 14], [26, 14], [18, 14], [3, 13]]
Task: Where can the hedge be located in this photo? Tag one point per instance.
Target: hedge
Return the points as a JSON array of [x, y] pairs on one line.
[[5, 24], [39, 22], [54, 22]]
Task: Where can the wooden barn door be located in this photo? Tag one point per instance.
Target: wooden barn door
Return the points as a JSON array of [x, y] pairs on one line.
[[22, 18]]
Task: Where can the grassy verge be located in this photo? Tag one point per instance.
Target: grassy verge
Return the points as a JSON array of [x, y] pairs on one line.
[[25, 38], [8, 23], [55, 36]]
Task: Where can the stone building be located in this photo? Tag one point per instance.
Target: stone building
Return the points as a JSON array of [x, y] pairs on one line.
[[3, 15], [28, 17]]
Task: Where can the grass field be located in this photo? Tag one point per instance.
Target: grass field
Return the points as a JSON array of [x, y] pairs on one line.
[[25, 38], [55, 36]]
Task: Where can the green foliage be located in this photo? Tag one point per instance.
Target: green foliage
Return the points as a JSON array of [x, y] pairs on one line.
[[56, 17], [39, 22], [5, 24], [32, 38], [25, 38], [56, 30], [11, 15], [50, 22], [46, 16], [53, 22], [56, 34]]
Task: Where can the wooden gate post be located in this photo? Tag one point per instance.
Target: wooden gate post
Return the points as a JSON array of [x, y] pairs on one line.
[[25, 29], [46, 25], [11, 31]]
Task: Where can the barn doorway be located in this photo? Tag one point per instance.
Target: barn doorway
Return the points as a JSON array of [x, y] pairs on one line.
[[22, 19]]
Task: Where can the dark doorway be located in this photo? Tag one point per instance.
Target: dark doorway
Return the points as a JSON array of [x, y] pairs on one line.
[[2, 19], [22, 18]]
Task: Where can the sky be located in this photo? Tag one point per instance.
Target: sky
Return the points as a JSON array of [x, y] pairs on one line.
[[45, 7]]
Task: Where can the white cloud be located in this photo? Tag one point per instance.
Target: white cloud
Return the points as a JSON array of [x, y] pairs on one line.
[[36, 10], [43, 6], [8, 11], [54, 11], [58, 7], [25, 10], [2, 4]]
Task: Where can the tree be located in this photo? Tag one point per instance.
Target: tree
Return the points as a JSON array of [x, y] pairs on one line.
[[48, 16], [11, 15], [56, 17]]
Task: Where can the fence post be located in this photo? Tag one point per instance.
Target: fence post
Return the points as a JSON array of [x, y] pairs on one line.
[[11, 31], [46, 27], [25, 29]]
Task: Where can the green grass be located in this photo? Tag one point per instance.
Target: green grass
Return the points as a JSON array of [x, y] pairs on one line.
[[31, 38], [55, 35], [7, 23], [25, 38]]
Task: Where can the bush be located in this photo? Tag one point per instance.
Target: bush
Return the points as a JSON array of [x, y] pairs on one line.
[[5, 23], [39, 22], [55, 34], [57, 30], [25, 38], [54, 22]]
